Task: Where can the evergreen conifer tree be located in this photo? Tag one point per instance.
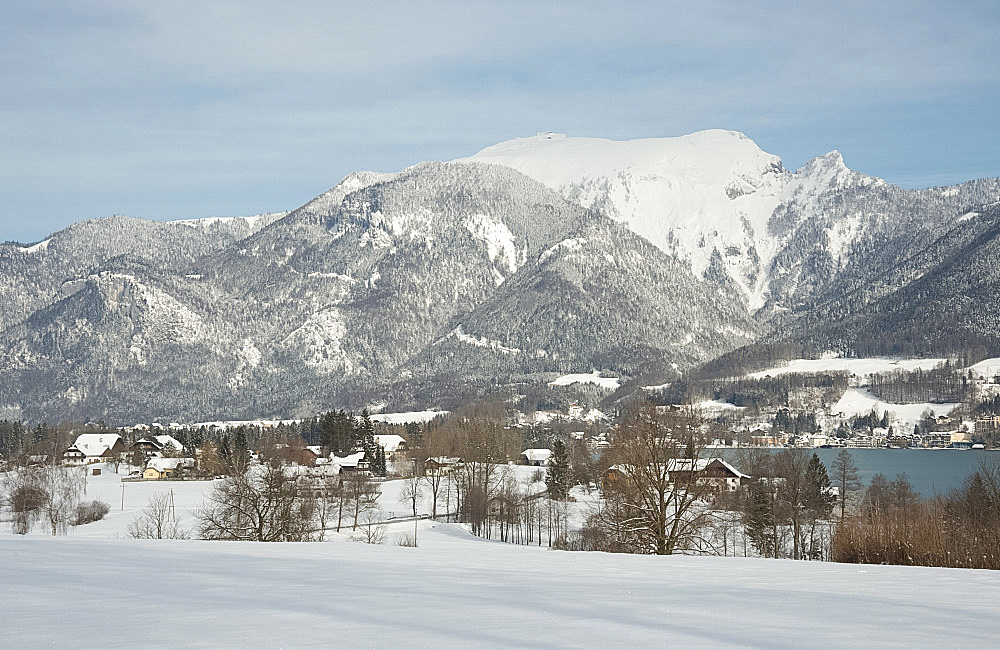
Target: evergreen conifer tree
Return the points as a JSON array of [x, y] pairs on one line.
[[845, 477], [225, 451], [758, 520], [241, 451], [557, 479], [818, 499], [381, 462]]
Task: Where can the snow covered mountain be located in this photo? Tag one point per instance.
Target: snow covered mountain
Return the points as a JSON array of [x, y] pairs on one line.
[[690, 196], [539, 255], [33, 276], [714, 199]]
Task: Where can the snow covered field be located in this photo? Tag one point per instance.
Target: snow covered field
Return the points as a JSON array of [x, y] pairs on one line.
[[457, 590], [857, 367], [97, 587], [419, 417], [986, 368], [857, 401], [609, 383]]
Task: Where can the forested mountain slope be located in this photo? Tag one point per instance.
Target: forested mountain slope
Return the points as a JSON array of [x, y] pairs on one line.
[[32, 276], [541, 255]]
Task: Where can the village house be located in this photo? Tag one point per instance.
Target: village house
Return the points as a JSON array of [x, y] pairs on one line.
[[318, 478], [312, 455], [777, 440], [159, 445], [308, 455], [164, 468], [391, 443], [443, 464], [713, 473], [93, 448], [536, 457], [897, 442], [355, 462]]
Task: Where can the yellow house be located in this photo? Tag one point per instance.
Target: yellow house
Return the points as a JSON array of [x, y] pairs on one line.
[[161, 468]]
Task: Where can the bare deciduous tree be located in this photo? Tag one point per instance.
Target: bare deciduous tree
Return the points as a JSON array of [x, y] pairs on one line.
[[845, 477], [44, 492], [363, 493], [23, 494], [413, 490], [330, 498], [655, 502], [436, 480], [157, 520], [372, 527], [262, 503]]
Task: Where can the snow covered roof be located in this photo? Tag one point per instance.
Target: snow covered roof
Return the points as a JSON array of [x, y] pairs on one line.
[[319, 471], [445, 460], [732, 469], [390, 442], [685, 464], [537, 455], [350, 460], [95, 444], [163, 464], [168, 441]]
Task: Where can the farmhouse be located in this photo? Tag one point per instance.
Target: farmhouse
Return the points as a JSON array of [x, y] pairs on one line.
[[159, 445], [318, 478], [350, 463], [390, 442], [309, 455], [93, 448], [442, 464], [713, 473]]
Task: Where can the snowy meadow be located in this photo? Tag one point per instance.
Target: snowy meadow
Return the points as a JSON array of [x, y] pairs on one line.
[[456, 589], [98, 587]]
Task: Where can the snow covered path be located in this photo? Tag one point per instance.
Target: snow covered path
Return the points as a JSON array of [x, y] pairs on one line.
[[456, 590]]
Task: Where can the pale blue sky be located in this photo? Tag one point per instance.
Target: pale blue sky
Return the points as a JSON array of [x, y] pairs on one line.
[[189, 109]]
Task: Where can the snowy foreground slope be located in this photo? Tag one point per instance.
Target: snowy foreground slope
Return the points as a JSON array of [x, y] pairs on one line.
[[457, 590], [97, 587]]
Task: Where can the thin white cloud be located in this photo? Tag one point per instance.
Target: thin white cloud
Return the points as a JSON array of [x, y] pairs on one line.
[[106, 97]]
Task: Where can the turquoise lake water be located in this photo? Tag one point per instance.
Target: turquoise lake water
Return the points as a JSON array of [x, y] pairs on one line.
[[930, 471]]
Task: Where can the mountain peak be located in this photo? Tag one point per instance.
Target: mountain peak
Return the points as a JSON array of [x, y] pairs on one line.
[[685, 194]]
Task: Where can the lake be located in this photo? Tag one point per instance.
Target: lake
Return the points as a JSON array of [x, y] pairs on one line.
[[930, 471]]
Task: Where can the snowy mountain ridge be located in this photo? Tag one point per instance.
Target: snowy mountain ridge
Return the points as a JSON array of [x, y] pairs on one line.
[[534, 259], [710, 193]]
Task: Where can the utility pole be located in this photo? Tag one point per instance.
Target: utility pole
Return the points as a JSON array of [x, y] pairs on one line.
[[123, 497]]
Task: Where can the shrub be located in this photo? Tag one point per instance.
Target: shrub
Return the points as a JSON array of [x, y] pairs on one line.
[[896, 527], [26, 498], [89, 512]]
